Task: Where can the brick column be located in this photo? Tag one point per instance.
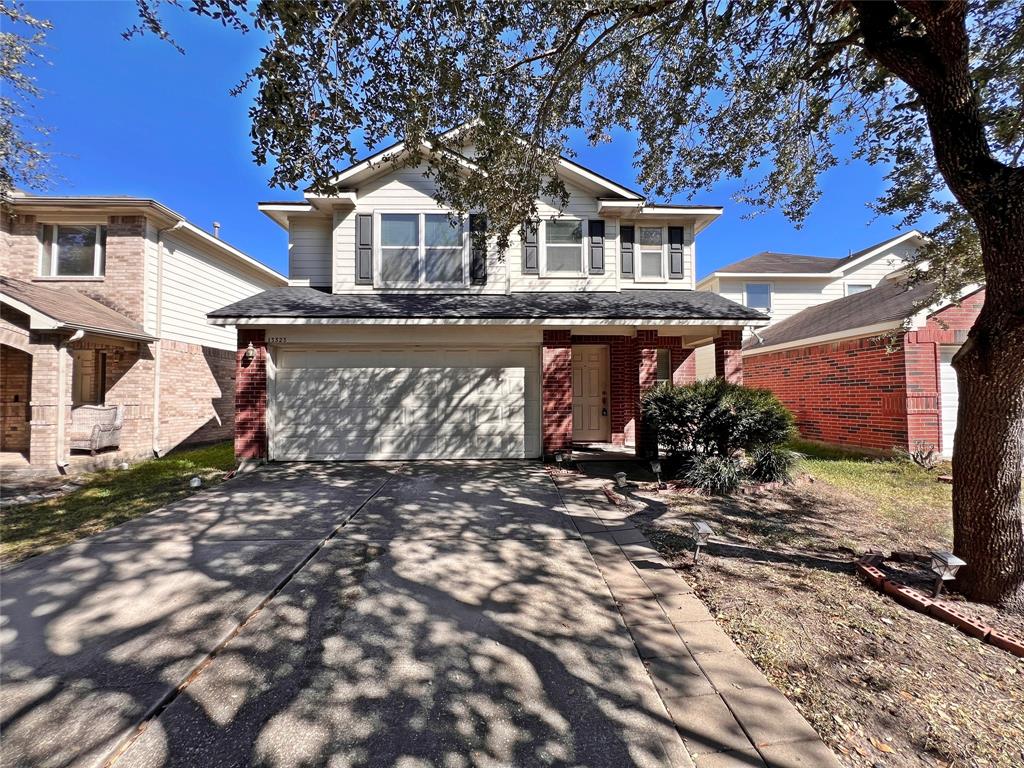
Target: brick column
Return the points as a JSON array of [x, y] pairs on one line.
[[647, 377], [556, 391], [684, 366], [729, 356], [251, 397]]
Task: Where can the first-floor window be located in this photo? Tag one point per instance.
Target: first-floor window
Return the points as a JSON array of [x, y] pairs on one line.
[[664, 372], [652, 253], [72, 250], [421, 249], [563, 246], [759, 296]]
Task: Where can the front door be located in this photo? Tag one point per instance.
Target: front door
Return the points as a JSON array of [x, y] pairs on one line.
[[590, 422]]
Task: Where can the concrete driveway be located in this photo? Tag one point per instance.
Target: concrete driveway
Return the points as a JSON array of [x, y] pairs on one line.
[[453, 617]]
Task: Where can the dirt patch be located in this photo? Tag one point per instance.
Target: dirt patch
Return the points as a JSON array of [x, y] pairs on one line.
[[883, 686]]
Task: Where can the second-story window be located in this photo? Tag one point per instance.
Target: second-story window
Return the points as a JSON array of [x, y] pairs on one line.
[[759, 296], [563, 247], [421, 249], [72, 250], [852, 288], [652, 253]]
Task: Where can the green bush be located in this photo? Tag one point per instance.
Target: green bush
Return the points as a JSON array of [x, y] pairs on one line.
[[744, 427]]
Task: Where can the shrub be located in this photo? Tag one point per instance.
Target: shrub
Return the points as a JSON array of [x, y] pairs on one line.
[[714, 418], [711, 474], [772, 464]]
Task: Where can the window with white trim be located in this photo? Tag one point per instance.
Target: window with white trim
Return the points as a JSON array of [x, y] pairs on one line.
[[852, 288], [72, 250], [421, 250], [563, 247], [652, 253], [758, 296]]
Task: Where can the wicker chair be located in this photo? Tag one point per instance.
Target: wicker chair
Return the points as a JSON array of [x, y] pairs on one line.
[[95, 427]]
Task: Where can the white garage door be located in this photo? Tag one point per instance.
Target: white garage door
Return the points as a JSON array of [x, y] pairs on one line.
[[405, 403], [949, 397]]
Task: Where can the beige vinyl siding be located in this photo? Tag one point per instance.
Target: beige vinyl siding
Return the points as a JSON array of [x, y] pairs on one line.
[[874, 270], [705, 361], [195, 283], [309, 249], [789, 295], [689, 257]]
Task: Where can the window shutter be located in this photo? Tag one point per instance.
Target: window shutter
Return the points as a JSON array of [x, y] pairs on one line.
[[478, 249], [596, 231], [364, 249], [627, 236], [675, 253], [531, 250]]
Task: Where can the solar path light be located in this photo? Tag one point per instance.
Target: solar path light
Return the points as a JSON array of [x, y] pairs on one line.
[[701, 534], [944, 566]]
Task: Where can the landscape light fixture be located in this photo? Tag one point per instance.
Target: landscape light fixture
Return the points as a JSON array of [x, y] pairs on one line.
[[701, 534], [559, 458], [944, 566], [620, 479], [656, 469], [250, 353]]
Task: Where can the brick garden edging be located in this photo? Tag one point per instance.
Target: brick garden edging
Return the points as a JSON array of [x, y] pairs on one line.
[[943, 610]]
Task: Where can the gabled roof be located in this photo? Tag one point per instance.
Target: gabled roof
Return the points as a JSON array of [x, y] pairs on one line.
[[310, 305], [66, 309], [889, 304], [770, 263]]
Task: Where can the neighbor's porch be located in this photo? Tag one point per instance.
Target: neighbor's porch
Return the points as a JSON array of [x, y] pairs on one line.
[[591, 384]]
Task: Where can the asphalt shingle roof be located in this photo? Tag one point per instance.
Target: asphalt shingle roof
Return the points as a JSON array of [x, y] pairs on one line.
[[777, 263], [653, 305]]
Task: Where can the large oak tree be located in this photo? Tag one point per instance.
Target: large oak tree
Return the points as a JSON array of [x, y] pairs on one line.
[[773, 93]]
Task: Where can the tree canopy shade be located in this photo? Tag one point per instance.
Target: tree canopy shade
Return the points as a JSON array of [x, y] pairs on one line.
[[758, 90]]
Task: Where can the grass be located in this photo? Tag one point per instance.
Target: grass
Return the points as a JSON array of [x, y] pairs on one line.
[[904, 493], [107, 499]]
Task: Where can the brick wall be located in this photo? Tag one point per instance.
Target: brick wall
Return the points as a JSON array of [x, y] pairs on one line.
[[15, 381], [197, 387], [20, 258], [729, 356], [556, 391], [847, 393], [251, 397]]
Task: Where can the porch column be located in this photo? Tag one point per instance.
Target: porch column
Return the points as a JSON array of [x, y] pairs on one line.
[[684, 366], [647, 377], [556, 391], [49, 391], [251, 396], [729, 356]]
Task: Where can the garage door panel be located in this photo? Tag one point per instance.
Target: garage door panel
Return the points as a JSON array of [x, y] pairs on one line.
[[406, 403]]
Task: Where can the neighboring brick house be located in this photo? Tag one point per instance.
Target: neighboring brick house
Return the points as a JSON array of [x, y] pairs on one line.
[[403, 336], [103, 300], [869, 370]]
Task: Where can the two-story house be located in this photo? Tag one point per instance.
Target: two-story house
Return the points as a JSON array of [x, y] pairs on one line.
[[850, 349], [103, 302], [406, 334]]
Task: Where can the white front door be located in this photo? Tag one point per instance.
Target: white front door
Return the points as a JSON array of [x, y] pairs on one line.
[[356, 403], [590, 422], [949, 397]]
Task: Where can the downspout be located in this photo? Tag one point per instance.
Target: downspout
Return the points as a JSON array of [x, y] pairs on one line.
[[757, 336], [157, 331], [62, 372]]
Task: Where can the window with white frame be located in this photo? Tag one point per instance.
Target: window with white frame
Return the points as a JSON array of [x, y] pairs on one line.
[[72, 250], [563, 247], [759, 296], [422, 249], [852, 288], [652, 253], [664, 369]]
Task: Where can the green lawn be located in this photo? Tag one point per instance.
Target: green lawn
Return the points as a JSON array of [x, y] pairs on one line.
[[107, 499], [901, 491]]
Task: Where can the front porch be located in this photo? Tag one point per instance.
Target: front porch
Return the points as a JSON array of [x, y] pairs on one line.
[[591, 384]]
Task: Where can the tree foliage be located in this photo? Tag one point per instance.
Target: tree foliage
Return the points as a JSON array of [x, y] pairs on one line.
[[24, 157]]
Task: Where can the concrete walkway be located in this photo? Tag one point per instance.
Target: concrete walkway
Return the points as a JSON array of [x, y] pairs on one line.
[[430, 614]]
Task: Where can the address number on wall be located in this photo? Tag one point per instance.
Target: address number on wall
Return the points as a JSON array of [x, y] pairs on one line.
[[277, 339]]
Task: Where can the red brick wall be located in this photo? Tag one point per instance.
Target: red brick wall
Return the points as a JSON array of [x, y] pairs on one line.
[[729, 356], [846, 393], [197, 388], [556, 392], [251, 397], [15, 380]]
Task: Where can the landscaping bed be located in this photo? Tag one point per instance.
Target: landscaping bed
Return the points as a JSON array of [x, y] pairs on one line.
[[883, 685], [105, 499]]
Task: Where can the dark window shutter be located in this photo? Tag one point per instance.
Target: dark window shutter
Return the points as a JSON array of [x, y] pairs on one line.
[[595, 229], [364, 249], [478, 249], [675, 253], [627, 236], [531, 249]]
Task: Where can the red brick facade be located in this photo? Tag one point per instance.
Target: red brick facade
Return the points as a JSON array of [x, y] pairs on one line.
[[251, 396], [861, 393], [729, 356]]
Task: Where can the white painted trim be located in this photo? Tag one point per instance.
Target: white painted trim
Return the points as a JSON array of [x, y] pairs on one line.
[[877, 249], [848, 283], [542, 236], [771, 295], [421, 284], [99, 254], [638, 251], [811, 341], [563, 322]]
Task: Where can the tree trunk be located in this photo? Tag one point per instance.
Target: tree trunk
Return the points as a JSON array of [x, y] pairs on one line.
[[988, 527]]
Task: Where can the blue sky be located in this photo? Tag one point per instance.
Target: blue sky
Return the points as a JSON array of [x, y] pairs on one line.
[[138, 118]]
